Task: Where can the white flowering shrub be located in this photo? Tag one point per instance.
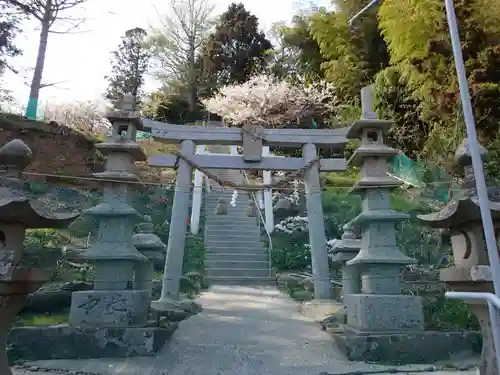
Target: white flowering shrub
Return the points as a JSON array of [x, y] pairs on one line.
[[292, 224], [291, 235], [329, 246], [296, 254], [271, 102]]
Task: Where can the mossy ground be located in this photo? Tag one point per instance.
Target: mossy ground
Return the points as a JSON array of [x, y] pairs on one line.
[[41, 320]]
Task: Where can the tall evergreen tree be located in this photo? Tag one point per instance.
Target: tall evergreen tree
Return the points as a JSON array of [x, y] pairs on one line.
[[129, 63], [235, 50], [8, 30]]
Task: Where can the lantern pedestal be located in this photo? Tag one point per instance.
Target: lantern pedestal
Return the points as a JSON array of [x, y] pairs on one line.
[[399, 348], [488, 365], [476, 279], [13, 292]]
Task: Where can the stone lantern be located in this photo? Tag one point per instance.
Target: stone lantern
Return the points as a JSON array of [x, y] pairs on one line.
[[149, 245], [116, 302], [345, 250], [462, 217], [22, 270], [379, 259], [380, 317]]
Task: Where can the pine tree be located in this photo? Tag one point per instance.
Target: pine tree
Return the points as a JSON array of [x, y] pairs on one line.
[[129, 64], [235, 50], [9, 23], [9, 27]]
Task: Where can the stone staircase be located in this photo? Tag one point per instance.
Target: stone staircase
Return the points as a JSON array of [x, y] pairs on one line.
[[234, 251]]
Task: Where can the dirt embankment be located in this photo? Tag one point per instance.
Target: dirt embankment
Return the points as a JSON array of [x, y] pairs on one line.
[[62, 151], [57, 149]]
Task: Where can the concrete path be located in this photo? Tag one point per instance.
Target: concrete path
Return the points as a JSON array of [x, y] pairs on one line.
[[241, 331]]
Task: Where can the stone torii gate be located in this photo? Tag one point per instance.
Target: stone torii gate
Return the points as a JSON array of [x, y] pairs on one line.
[[253, 139]]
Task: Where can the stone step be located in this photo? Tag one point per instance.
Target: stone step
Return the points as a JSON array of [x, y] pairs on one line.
[[236, 257], [235, 226], [237, 272], [256, 281], [239, 207], [250, 235], [223, 264], [240, 203], [237, 210], [241, 216], [242, 220], [231, 236], [222, 231], [214, 199], [228, 249], [230, 216], [234, 243], [244, 240], [229, 219]]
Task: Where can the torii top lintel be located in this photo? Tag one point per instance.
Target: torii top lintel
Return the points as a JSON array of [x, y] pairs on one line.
[[322, 138]]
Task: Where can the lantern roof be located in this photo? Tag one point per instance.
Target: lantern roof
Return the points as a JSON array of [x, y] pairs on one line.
[[17, 203], [464, 207]]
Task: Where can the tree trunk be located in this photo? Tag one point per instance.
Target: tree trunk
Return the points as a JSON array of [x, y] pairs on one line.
[[192, 89], [36, 82]]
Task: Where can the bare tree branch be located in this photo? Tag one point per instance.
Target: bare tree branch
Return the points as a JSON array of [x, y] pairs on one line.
[[27, 80], [71, 29], [44, 85], [174, 46]]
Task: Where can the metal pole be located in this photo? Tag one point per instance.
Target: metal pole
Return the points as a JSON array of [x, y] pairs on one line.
[[477, 164], [357, 15]]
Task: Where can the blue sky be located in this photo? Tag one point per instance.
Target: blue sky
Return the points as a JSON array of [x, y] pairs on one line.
[[80, 61]]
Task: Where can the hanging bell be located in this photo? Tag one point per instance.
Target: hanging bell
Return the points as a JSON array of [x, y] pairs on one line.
[[251, 209], [221, 208]]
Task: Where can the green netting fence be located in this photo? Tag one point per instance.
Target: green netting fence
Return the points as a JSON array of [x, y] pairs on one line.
[[430, 178]]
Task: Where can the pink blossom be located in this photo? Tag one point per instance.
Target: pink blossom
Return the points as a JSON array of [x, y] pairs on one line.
[[265, 100]]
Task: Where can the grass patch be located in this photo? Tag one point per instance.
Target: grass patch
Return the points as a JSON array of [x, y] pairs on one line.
[[443, 314], [42, 320]]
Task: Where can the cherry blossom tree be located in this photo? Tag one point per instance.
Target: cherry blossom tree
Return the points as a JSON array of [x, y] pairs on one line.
[[85, 116], [272, 102]]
